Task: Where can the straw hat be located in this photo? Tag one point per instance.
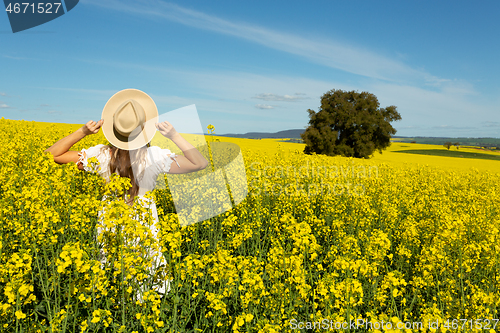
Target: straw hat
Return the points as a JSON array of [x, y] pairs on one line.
[[129, 119]]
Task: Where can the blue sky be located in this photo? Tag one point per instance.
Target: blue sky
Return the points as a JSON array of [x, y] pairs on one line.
[[258, 65]]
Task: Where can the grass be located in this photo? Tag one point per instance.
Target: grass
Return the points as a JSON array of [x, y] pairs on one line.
[[450, 153]]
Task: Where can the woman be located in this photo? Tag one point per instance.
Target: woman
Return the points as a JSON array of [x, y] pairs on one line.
[[129, 122]]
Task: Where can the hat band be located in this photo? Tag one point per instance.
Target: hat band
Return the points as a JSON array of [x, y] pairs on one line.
[[131, 136]]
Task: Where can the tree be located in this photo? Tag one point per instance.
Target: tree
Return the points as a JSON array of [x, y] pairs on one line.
[[457, 144], [448, 144], [349, 123]]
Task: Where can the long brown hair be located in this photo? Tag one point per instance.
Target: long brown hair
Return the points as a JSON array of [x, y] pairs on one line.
[[126, 164]]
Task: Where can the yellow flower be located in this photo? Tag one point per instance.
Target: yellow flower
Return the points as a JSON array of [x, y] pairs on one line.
[[24, 289], [20, 314]]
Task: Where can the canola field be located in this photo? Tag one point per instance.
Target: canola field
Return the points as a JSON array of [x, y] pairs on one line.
[[396, 243]]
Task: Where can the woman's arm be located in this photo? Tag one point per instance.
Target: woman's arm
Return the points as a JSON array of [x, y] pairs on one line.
[[192, 160], [63, 145], [60, 149]]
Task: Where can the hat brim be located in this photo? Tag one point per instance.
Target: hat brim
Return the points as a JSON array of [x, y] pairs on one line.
[[139, 139]]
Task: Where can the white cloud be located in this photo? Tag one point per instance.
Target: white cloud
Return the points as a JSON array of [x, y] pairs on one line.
[[490, 124], [349, 58], [264, 106], [408, 127], [81, 90], [420, 107], [429, 106], [415, 85], [275, 97], [453, 127], [5, 106], [232, 88], [16, 58]]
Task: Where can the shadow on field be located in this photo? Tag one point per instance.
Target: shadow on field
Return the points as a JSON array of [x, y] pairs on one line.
[[450, 153]]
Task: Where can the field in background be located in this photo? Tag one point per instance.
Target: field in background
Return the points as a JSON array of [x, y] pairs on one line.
[[401, 239], [476, 142], [399, 153], [463, 158]]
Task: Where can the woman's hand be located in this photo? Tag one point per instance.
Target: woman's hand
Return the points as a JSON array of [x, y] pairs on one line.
[[192, 160], [60, 149], [166, 129], [92, 127]]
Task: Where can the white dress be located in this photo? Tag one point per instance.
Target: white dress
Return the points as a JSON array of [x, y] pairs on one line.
[[157, 161]]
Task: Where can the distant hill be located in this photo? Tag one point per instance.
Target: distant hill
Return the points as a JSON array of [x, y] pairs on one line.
[[287, 134], [476, 142], [295, 134]]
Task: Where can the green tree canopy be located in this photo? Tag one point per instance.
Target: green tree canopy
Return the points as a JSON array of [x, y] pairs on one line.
[[349, 123]]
